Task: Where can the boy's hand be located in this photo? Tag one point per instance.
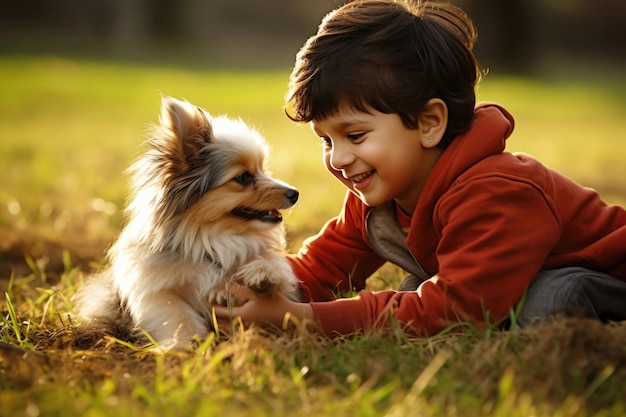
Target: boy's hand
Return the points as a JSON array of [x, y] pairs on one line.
[[263, 311]]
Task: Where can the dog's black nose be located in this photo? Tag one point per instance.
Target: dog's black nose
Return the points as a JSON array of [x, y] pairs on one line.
[[292, 195]]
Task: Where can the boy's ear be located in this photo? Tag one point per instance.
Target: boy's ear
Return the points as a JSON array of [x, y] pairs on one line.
[[432, 122]]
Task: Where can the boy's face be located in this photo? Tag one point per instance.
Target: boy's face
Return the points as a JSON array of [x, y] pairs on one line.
[[376, 156]]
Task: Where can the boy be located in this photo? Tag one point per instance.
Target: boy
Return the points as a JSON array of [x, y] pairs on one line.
[[389, 89]]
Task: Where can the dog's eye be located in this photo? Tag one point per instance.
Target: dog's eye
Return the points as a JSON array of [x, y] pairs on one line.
[[244, 178]]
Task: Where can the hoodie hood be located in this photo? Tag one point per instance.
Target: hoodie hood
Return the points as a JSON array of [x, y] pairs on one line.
[[491, 126]]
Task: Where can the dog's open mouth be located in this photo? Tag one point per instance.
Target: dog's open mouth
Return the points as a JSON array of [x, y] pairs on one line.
[[266, 216]]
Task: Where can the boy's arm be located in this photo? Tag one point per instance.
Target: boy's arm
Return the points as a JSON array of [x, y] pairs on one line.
[[338, 259]]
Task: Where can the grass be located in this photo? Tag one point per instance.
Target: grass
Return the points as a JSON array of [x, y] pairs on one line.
[[69, 128]]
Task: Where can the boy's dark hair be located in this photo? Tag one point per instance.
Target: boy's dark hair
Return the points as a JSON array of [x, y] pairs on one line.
[[392, 56]]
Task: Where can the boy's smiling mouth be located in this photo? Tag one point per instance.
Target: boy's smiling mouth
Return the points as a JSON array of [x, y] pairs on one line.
[[361, 177]]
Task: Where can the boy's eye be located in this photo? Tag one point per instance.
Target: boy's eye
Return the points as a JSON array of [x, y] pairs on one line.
[[353, 137], [244, 178]]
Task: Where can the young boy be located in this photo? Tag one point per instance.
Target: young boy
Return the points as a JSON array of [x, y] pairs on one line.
[[389, 89]]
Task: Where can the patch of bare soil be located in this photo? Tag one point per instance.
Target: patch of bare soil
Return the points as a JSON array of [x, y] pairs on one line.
[[46, 252]]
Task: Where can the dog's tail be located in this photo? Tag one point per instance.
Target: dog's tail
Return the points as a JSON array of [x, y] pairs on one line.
[[97, 302]]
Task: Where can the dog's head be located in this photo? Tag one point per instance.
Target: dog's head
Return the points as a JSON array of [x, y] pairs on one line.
[[203, 169]]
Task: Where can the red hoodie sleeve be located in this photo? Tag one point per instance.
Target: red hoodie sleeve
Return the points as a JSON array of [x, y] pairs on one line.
[[339, 258]]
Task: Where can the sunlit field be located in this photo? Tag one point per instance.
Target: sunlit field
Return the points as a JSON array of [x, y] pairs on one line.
[[68, 130]]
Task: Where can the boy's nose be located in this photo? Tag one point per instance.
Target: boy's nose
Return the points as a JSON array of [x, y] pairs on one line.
[[340, 158]]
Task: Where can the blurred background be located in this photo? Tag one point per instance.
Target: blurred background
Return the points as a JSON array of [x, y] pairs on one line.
[[79, 83], [515, 35]]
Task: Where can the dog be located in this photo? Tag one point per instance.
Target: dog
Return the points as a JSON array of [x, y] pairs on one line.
[[202, 212]]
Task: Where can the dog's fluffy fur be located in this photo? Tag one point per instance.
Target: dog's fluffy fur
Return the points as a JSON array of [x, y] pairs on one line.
[[202, 213]]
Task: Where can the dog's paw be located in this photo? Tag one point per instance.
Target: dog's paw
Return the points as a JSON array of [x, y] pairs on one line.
[[268, 276]]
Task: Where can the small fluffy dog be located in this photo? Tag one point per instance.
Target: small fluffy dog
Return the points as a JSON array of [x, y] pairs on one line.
[[202, 213]]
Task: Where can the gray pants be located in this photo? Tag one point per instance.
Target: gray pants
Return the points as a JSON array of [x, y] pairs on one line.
[[574, 291]]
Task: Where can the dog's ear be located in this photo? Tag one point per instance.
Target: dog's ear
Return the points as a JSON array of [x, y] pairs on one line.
[[189, 126]]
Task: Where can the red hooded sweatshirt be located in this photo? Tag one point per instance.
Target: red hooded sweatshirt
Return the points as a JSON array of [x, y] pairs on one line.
[[487, 221]]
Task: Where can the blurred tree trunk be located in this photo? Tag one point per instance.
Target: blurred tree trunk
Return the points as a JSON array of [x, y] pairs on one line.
[[201, 17], [130, 26], [506, 29]]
